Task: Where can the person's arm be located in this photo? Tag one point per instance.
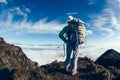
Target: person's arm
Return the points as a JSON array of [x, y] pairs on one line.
[[62, 34]]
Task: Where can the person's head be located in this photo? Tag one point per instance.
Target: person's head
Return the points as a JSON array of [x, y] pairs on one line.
[[70, 18]]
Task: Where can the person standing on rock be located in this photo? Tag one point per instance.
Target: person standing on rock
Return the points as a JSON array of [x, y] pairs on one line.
[[73, 35]]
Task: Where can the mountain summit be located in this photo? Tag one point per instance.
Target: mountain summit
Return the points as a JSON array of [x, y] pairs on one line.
[[109, 58]]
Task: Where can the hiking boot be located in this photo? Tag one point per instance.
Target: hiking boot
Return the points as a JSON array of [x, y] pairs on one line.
[[67, 69], [74, 73]]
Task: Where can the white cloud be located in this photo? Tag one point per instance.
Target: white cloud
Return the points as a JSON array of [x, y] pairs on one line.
[[93, 52], [100, 23], [89, 32], [115, 14], [47, 54], [71, 13], [28, 27], [13, 12], [3, 1], [45, 27], [87, 24], [114, 18], [27, 10], [24, 26], [43, 54], [114, 3], [17, 11], [115, 23], [91, 2], [108, 21]]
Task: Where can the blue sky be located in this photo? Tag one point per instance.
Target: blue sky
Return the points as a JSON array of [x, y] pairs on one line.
[[38, 22]]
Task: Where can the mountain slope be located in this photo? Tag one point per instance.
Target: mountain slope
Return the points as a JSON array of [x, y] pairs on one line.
[[16, 63], [109, 58]]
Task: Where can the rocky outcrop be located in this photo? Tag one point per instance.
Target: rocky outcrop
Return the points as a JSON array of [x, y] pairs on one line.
[[17, 64]]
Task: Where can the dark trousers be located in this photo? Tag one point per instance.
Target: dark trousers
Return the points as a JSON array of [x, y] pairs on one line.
[[71, 50]]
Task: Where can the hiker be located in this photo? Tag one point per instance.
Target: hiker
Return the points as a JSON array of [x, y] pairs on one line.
[[70, 34]]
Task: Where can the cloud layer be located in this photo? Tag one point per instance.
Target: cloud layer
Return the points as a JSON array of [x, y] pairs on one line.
[[3, 1], [108, 21], [47, 54]]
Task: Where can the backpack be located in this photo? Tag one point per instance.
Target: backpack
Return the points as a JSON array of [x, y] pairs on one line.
[[77, 32]]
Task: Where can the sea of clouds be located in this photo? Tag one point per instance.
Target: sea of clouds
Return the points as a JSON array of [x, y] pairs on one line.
[[44, 54]]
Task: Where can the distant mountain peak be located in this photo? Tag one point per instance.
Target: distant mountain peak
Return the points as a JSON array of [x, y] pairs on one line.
[[110, 58], [111, 51]]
